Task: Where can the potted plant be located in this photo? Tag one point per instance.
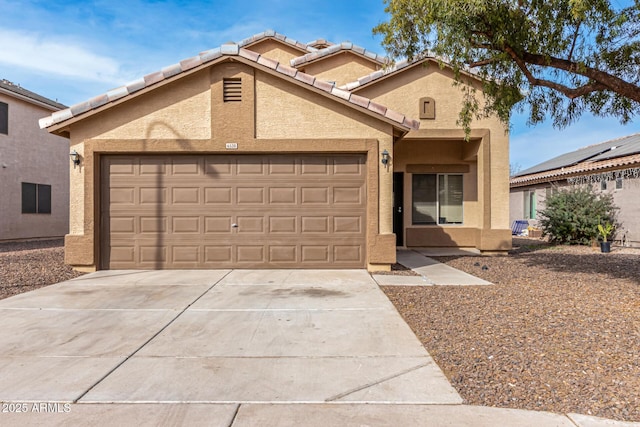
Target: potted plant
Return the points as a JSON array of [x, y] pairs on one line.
[[605, 231]]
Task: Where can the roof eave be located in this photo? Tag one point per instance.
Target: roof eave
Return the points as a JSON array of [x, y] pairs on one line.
[[29, 100], [337, 95]]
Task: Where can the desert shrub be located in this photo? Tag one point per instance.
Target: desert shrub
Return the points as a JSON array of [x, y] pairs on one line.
[[572, 215]]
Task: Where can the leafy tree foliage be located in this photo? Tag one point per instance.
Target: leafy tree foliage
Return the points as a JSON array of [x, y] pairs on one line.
[[558, 57], [572, 215]]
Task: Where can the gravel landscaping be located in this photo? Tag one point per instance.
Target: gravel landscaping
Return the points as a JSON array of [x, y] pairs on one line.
[[559, 331], [25, 266]]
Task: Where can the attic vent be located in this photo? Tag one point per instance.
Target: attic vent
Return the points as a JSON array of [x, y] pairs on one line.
[[232, 90]]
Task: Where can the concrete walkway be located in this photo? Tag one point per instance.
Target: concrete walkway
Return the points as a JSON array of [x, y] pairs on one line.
[[226, 348], [431, 272]]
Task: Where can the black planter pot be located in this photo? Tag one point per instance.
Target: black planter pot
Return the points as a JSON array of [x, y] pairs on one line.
[[605, 247]]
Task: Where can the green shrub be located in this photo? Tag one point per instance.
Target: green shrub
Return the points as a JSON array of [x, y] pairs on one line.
[[572, 215]]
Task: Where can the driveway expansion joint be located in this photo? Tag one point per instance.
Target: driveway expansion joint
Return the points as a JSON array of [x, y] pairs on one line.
[[149, 340]]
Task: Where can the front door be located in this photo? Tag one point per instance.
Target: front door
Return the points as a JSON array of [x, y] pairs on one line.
[[398, 201]]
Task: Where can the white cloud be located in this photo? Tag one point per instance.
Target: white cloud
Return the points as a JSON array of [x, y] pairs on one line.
[[56, 56]]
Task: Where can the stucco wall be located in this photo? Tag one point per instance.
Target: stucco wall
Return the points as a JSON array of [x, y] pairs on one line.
[[29, 154], [628, 200], [285, 110], [179, 110], [342, 68], [489, 151]]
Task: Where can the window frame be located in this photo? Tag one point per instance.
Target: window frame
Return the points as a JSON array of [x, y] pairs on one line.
[[439, 177], [36, 198], [619, 183], [4, 118]]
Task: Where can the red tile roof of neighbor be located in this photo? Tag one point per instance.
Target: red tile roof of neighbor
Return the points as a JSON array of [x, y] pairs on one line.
[[337, 48], [582, 168], [227, 50]]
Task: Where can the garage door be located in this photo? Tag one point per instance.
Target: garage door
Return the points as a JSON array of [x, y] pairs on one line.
[[240, 211]]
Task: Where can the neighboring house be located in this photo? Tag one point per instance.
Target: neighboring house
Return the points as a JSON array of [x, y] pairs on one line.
[[237, 158], [34, 168], [611, 167]]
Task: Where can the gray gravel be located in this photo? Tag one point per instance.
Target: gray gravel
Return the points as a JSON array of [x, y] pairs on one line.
[[25, 266], [560, 330]]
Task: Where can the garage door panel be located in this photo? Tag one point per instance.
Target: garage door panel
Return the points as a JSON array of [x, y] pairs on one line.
[[153, 195], [152, 224], [217, 225], [314, 224], [347, 224], [250, 195], [185, 254], [186, 225], [347, 195], [185, 195], [347, 253], [217, 196], [218, 254], [315, 253], [250, 254], [250, 224], [180, 211]]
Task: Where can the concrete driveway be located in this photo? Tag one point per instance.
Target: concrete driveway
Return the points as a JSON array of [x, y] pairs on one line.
[[203, 337]]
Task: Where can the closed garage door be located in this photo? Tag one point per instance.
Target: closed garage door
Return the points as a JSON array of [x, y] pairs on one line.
[[221, 211]]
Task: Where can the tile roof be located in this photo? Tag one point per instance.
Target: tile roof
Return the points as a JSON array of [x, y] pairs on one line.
[[583, 168], [281, 37], [397, 67], [320, 42], [12, 87], [609, 155], [336, 48], [614, 148], [226, 50]]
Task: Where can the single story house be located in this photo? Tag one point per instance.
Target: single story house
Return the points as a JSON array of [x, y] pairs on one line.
[[34, 172], [610, 167], [272, 153]]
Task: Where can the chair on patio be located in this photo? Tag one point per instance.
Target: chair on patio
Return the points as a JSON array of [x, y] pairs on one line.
[[519, 226]]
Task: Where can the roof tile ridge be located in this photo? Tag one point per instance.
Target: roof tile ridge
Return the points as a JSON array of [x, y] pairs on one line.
[[334, 48], [278, 36], [208, 56]]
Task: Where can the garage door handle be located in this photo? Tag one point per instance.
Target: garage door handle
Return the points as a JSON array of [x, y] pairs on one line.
[[234, 225]]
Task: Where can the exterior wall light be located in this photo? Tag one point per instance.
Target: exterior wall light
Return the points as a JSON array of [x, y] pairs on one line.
[[75, 158], [385, 157]]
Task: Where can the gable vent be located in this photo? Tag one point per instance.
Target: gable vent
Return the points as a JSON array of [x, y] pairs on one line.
[[232, 90]]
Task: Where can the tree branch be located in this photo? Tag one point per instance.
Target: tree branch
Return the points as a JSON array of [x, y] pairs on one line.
[[575, 39], [481, 63], [569, 92], [602, 79]]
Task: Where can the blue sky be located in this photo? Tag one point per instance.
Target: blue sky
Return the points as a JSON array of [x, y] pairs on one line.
[[73, 50]]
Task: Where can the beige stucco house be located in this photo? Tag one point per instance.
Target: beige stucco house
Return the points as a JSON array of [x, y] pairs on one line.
[[272, 153], [34, 173]]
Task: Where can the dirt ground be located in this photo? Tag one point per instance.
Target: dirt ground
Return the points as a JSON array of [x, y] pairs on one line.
[[559, 331]]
